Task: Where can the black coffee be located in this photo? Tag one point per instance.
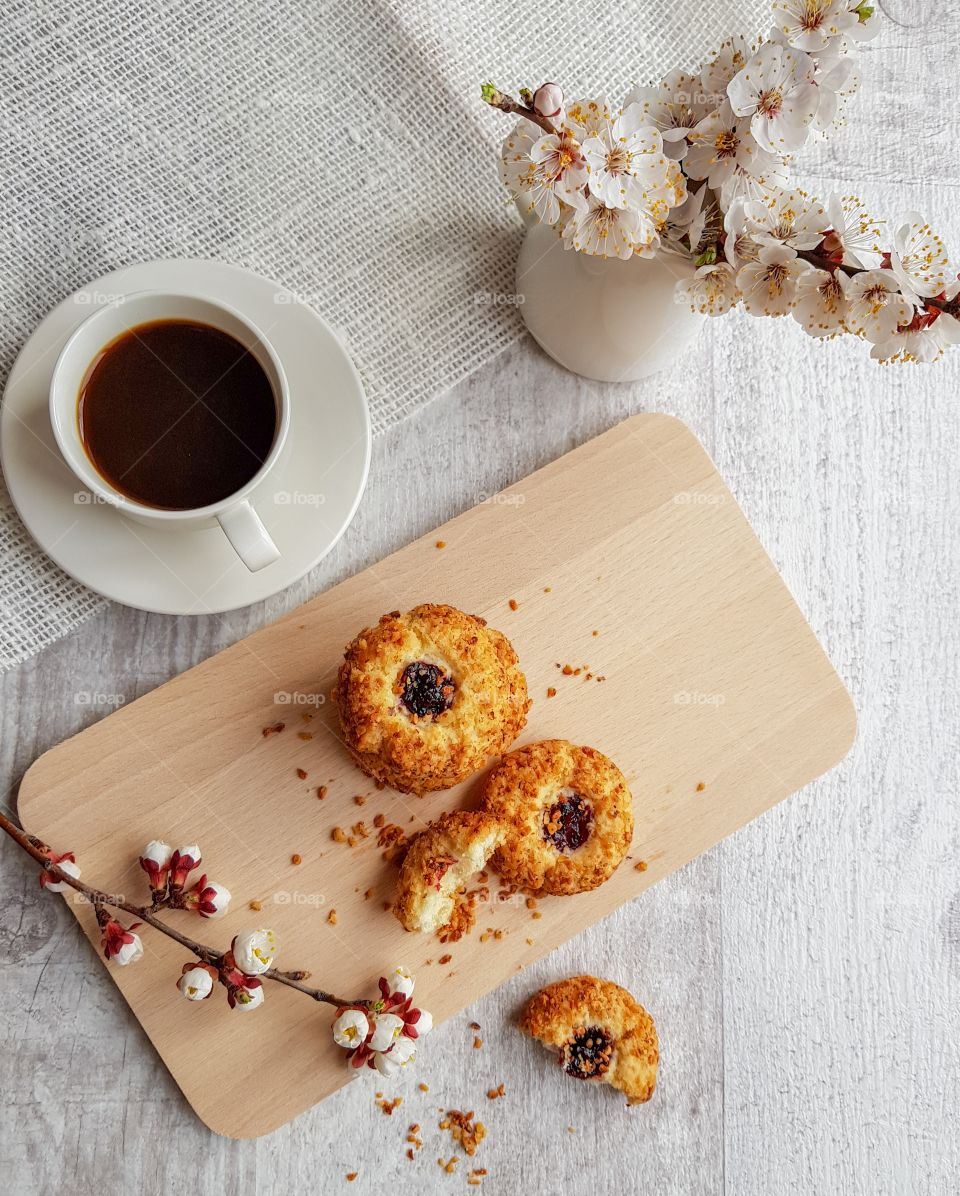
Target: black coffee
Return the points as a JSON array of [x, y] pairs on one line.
[[176, 414]]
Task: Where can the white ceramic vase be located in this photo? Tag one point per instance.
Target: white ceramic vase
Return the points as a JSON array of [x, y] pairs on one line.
[[602, 318]]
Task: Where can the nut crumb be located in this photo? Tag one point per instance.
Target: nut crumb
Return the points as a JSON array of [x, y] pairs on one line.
[[547, 589], [302, 774], [332, 917], [477, 1043], [536, 915], [305, 735], [441, 543], [640, 865], [338, 835], [496, 1093], [359, 799], [273, 729], [424, 1087], [551, 692], [255, 906], [321, 791], [513, 604], [700, 786], [351, 1176], [296, 859], [445, 958]]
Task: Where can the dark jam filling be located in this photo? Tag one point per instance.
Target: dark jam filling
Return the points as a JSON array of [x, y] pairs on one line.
[[568, 823], [426, 690], [588, 1054]]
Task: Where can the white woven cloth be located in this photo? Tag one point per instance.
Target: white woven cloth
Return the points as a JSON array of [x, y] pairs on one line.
[[340, 149]]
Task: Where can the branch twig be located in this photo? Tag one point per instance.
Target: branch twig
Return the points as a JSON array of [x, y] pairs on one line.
[[146, 913], [499, 99]]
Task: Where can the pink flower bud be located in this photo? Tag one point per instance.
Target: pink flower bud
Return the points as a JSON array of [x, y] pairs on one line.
[[208, 898], [66, 863], [155, 861], [182, 863], [120, 944], [548, 100]]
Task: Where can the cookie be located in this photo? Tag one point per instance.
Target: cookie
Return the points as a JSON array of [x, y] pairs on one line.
[[427, 697], [439, 862], [599, 1031], [567, 816]]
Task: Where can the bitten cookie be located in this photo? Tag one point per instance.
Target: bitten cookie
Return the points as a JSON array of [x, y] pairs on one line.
[[427, 697], [439, 861], [567, 816], [600, 1032]]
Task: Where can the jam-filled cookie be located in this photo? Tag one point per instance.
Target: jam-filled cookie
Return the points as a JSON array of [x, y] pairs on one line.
[[599, 1031], [438, 863], [567, 817], [427, 697]]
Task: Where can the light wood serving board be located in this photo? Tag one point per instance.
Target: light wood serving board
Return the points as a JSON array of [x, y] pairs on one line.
[[712, 677]]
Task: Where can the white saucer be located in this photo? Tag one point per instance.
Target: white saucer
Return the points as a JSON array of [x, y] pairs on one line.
[[306, 502]]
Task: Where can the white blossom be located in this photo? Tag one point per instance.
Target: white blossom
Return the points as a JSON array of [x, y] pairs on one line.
[[768, 286], [387, 1029], [787, 217], [401, 981], [854, 234], [196, 984], [351, 1028], [254, 951], [821, 305], [776, 89], [722, 142], [918, 259], [129, 952], [810, 24], [730, 60], [543, 170], [625, 160], [674, 108], [711, 291], [604, 232], [877, 305]]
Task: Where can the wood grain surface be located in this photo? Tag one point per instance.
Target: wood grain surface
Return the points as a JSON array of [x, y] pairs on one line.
[[703, 681]]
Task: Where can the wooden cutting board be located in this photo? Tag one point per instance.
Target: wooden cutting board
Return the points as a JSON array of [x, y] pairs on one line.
[[628, 557]]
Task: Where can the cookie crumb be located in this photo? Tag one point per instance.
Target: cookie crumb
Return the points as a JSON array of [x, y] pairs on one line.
[[351, 1176], [536, 915], [424, 1087], [359, 799], [255, 906], [496, 1093], [441, 543], [273, 729], [444, 959], [387, 1106], [302, 774], [513, 604], [296, 859], [477, 1043], [547, 589], [464, 1130], [700, 786], [338, 835], [594, 632], [321, 791], [551, 692], [305, 735], [641, 865], [332, 917]]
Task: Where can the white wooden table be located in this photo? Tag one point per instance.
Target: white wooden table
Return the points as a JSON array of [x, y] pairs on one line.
[[804, 975]]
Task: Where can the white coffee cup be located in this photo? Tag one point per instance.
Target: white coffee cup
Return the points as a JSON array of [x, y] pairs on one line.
[[235, 514]]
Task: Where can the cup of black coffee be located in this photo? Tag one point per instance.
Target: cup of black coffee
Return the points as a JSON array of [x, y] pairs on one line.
[[174, 408]]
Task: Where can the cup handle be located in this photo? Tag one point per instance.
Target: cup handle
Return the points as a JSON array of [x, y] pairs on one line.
[[251, 540]]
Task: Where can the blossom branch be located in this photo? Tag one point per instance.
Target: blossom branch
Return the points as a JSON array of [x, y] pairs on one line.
[[822, 262], [505, 103], [147, 913]]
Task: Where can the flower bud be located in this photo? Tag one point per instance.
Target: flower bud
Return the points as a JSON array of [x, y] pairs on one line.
[[386, 1031], [196, 983], [248, 995], [253, 951], [155, 861], [400, 981], [351, 1028], [182, 863], [208, 898], [121, 945], [548, 100], [66, 863]]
